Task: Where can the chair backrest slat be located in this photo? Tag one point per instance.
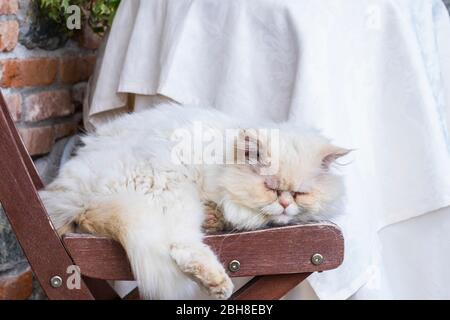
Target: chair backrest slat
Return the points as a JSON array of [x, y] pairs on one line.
[[20, 145], [27, 216]]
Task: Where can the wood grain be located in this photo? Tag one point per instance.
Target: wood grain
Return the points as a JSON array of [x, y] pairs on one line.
[[271, 287], [100, 289], [27, 216], [281, 250], [31, 169]]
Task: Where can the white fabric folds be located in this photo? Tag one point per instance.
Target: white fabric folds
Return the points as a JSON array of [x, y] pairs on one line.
[[372, 74]]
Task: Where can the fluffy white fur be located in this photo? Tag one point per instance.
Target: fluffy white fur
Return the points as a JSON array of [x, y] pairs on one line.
[[123, 184]]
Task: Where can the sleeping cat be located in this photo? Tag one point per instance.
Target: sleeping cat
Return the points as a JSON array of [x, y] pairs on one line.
[[127, 183]]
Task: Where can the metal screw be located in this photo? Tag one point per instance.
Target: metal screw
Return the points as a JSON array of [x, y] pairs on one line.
[[56, 281], [234, 265], [317, 259]]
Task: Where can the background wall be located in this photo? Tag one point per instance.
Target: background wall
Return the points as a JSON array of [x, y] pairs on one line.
[[43, 84], [43, 77]]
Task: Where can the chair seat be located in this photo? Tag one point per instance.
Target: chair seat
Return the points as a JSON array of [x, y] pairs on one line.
[[280, 250]]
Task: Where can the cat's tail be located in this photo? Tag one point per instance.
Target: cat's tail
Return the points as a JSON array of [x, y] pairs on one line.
[[63, 208], [138, 225]]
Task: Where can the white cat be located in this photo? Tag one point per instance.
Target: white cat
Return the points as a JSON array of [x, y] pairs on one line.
[[127, 183]]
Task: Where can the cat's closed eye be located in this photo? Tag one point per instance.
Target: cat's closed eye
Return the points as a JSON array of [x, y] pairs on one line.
[[293, 193], [300, 193]]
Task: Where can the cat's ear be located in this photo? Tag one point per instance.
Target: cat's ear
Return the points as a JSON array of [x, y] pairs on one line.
[[250, 147], [331, 153]]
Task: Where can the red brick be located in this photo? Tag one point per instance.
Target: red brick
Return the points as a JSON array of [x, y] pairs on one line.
[[14, 103], [38, 140], [76, 69], [9, 33], [65, 129], [28, 72], [16, 286], [48, 104], [9, 6]]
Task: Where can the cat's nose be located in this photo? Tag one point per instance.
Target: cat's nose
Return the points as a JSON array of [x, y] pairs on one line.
[[284, 203]]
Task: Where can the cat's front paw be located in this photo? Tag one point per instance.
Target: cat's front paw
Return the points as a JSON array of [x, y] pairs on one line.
[[200, 263], [214, 219], [221, 289]]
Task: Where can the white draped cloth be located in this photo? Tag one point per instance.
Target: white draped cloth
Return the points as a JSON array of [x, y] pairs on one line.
[[374, 75]]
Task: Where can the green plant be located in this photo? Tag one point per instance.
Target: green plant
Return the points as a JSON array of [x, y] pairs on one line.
[[99, 13]]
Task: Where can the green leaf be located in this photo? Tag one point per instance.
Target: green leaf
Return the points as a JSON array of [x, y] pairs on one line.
[[101, 12]]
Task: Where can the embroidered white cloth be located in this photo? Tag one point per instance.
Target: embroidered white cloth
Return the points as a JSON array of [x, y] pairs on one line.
[[372, 74]]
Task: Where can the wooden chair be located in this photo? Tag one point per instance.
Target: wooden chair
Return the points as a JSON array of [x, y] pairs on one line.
[[278, 258]]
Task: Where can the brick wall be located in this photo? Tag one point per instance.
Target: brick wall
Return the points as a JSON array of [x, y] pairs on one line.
[[43, 88], [43, 80]]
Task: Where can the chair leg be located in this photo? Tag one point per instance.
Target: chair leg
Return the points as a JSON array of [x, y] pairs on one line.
[[29, 220], [100, 289], [271, 287], [133, 295]]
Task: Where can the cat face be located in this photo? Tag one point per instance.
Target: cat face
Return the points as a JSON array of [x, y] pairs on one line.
[[303, 185]]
